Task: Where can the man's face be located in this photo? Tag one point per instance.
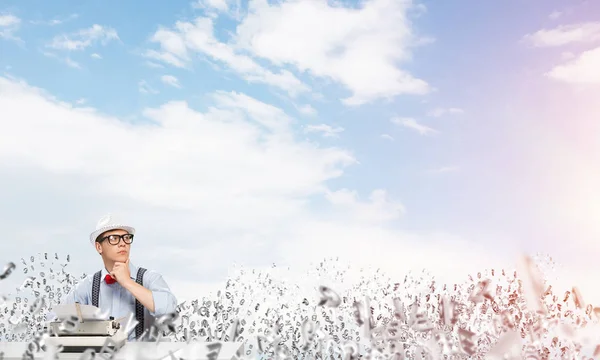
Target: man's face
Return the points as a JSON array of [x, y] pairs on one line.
[[119, 251]]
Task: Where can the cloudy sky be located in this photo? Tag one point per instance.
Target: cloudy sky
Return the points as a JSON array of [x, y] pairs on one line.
[[394, 133]]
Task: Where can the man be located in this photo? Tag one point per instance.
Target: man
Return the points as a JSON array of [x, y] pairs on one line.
[[123, 287]]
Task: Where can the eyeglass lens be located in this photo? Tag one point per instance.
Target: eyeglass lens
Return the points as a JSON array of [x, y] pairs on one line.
[[114, 239]]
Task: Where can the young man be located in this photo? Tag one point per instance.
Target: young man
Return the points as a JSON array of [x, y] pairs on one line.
[[118, 292]]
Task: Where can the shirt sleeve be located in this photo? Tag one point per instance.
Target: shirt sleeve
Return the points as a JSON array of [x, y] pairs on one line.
[[164, 300]]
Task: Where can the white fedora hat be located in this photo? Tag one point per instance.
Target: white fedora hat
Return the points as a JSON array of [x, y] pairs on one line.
[[107, 223]]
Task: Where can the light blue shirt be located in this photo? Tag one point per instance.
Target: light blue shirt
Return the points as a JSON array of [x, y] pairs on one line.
[[118, 302]]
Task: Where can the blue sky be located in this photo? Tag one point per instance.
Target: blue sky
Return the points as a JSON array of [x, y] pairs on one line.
[[480, 150]]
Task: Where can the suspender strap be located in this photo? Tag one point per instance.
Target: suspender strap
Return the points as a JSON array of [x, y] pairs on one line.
[[139, 308], [96, 288]]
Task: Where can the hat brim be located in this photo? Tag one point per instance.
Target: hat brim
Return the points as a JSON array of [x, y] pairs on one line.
[[95, 234]]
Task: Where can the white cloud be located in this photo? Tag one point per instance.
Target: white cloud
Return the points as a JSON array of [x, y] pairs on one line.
[[268, 116], [414, 125], [362, 51], [54, 22], [231, 184], [218, 5], [260, 163], [84, 38], [66, 60], [145, 88], [170, 80], [307, 109], [176, 46], [96, 56], [438, 112], [565, 34], [9, 24], [9, 20], [585, 69], [165, 57], [374, 38], [324, 129], [154, 65], [378, 210], [72, 63], [555, 15], [387, 137]]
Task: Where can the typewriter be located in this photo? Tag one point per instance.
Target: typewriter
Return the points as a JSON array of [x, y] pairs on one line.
[[83, 330]]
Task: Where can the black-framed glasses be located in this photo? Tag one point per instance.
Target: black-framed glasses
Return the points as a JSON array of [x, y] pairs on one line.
[[115, 239]]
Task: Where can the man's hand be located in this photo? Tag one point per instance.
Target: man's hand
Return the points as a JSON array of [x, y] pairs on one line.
[[120, 272], [144, 296]]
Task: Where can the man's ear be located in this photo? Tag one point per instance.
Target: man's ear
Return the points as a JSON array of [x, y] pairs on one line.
[[98, 247]]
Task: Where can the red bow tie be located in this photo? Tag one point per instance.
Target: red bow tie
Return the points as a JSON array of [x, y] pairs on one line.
[[109, 279]]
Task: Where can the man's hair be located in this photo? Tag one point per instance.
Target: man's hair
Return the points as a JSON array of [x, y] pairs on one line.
[[101, 236]]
